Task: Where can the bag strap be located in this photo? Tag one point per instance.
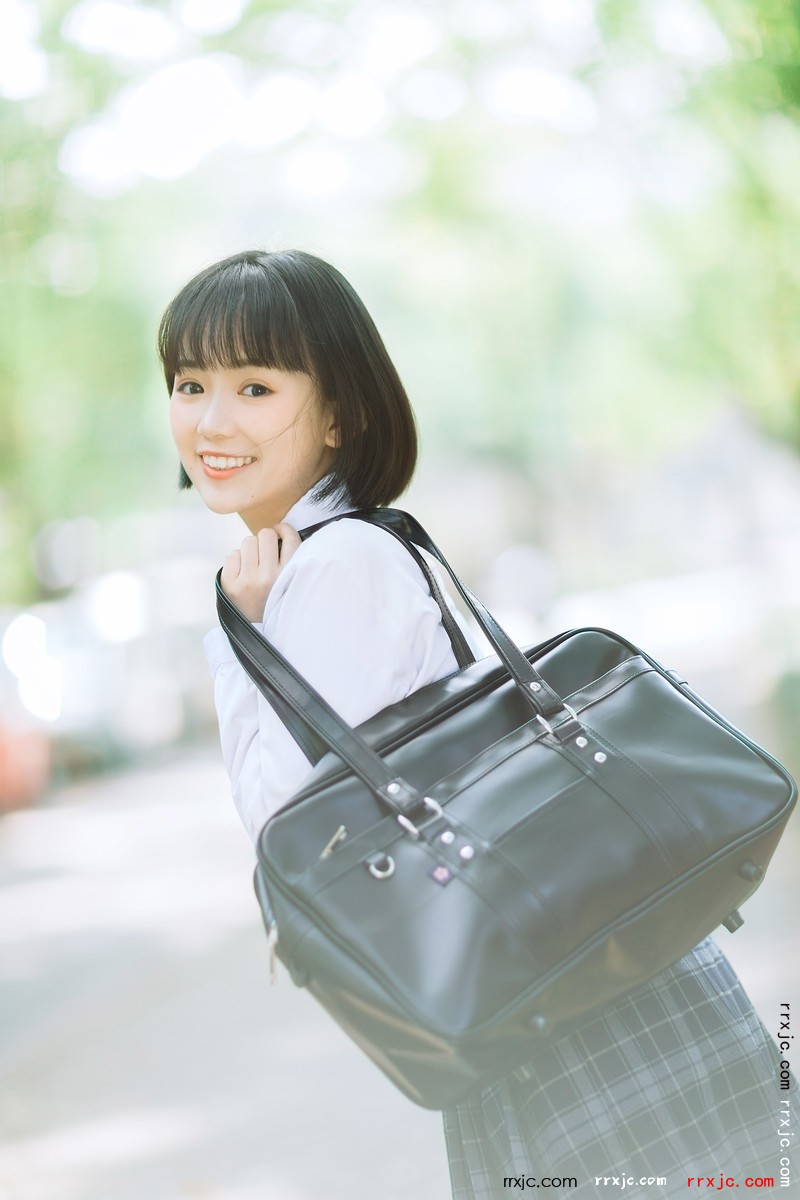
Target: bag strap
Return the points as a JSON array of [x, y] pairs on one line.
[[461, 648], [298, 703], [543, 699], [276, 678], [312, 745]]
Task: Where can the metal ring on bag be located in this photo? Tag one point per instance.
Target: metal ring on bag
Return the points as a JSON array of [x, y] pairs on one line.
[[382, 872]]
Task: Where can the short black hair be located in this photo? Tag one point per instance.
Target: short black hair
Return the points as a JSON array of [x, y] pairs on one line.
[[292, 311]]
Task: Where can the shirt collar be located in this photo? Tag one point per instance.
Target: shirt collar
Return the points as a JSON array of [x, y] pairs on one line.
[[308, 510]]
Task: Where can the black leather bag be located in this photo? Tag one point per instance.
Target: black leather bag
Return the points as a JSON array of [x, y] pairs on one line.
[[507, 850]]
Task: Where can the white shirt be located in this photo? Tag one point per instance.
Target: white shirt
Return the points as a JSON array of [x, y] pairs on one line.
[[352, 612]]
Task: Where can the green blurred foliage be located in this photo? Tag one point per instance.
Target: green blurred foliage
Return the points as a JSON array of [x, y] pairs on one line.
[[531, 336]]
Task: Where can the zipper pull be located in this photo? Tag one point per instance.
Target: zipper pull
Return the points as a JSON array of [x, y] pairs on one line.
[[339, 836], [272, 943]]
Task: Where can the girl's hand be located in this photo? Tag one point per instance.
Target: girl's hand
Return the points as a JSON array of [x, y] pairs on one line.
[[250, 572]]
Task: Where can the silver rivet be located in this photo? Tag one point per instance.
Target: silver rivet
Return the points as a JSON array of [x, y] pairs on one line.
[[448, 837], [467, 852], [600, 757], [393, 788], [582, 742], [535, 687]]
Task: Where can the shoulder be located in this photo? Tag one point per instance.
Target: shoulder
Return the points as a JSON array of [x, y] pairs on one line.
[[365, 550], [352, 612], [350, 558]]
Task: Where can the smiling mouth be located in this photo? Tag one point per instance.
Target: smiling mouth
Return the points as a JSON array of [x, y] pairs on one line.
[[225, 462]]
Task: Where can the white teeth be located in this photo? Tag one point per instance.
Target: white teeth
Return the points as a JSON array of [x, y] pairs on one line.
[[218, 463]]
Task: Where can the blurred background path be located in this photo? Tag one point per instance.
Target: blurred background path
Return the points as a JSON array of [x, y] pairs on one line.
[[143, 1053]]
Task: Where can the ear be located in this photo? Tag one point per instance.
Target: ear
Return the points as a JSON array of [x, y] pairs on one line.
[[332, 438]]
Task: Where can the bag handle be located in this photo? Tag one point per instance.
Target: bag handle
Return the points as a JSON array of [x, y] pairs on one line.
[[545, 702], [276, 679], [461, 648], [310, 742], [322, 728]]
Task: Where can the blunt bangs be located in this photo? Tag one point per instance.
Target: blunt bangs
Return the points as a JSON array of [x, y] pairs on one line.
[[234, 314]]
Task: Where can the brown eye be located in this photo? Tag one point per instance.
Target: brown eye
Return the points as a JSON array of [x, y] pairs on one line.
[[188, 388], [255, 390]]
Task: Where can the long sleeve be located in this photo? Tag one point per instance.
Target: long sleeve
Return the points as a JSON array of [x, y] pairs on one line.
[[352, 612]]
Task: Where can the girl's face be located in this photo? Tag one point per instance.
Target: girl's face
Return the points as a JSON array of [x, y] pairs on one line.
[[252, 440]]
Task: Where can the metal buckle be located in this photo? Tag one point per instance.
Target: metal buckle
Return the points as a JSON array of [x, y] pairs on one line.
[[543, 721], [433, 805], [549, 728], [434, 808]]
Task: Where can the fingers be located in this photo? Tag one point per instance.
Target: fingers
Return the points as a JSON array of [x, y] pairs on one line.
[[267, 543], [232, 565], [290, 541], [249, 551], [250, 572]]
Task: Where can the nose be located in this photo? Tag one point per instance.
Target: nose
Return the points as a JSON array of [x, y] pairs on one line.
[[217, 419]]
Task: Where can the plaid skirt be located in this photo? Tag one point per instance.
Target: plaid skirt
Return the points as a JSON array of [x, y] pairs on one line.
[[678, 1080]]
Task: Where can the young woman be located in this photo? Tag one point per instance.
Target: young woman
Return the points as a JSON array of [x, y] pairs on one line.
[[286, 409]]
